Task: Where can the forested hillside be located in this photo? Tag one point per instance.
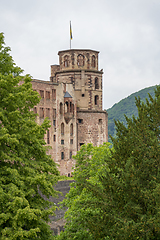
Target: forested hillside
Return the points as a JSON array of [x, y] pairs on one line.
[[126, 106]]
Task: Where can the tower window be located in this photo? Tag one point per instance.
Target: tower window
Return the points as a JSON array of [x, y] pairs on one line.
[[62, 155], [54, 123], [80, 60], [71, 129], [71, 141], [100, 122], [80, 120], [62, 141], [70, 155], [96, 100], [53, 94], [54, 138], [61, 108], [66, 61], [93, 61], [83, 95], [96, 83], [62, 128]]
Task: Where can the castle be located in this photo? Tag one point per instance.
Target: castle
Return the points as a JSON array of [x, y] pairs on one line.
[[72, 100]]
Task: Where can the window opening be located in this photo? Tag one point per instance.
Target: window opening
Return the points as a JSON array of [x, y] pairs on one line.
[[71, 129], [70, 155], [54, 123], [96, 100], [62, 128], [66, 61], [61, 108], [80, 60], [54, 138], [96, 83], [62, 141], [80, 120], [48, 112], [47, 95], [81, 144], [53, 94], [93, 61], [41, 113], [42, 93], [62, 155], [71, 141], [47, 136]]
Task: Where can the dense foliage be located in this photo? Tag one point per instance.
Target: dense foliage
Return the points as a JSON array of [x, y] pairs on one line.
[[126, 107], [25, 168], [117, 191]]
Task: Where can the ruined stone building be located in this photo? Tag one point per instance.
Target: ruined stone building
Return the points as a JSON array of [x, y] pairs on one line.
[[72, 100]]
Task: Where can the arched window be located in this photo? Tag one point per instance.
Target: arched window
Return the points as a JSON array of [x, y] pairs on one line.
[[67, 106], [66, 61], [96, 100], [96, 83], [71, 129], [62, 128], [61, 108], [93, 61], [80, 60]]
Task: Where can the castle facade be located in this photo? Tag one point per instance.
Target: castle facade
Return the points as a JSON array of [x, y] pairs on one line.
[[72, 100]]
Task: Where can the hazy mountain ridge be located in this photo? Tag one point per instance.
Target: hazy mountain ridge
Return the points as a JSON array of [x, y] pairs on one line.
[[126, 106]]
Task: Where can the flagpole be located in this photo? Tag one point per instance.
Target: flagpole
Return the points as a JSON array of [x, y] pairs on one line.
[[70, 34]]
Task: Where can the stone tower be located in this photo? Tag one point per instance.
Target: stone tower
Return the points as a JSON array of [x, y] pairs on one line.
[[72, 99]]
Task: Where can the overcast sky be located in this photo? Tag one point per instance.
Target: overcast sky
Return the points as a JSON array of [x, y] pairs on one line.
[[126, 32]]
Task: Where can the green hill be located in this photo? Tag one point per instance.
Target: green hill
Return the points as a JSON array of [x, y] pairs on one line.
[[126, 106]]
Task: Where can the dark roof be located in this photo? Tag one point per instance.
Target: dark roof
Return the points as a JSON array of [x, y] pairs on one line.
[[67, 95]]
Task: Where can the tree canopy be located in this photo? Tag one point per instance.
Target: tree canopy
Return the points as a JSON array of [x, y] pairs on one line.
[[25, 168], [117, 191]]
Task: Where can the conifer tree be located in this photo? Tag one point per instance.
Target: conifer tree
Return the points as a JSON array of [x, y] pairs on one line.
[[25, 168]]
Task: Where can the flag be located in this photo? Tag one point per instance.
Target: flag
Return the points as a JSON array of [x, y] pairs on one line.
[[70, 31]]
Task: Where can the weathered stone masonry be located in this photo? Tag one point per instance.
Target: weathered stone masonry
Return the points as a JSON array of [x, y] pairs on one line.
[[72, 100]]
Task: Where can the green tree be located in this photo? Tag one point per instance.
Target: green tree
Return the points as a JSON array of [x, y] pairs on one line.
[[25, 168], [117, 191]]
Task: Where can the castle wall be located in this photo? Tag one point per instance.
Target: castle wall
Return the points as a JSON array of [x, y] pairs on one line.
[[92, 127]]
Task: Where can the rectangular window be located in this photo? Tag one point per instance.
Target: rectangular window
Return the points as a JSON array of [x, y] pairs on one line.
[[54, 138], [41, 112], [35, 110], [62, 141], [54, 113], [100, 121], [54, 123], [80, 120], [70, 155], [62, 155], [42, 93], [48, 112], [81, 144], [47, 95], [48, 137], [71, 141], [53, 94]]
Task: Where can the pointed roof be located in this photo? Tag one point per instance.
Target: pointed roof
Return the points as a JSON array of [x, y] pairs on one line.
[[67, 95]]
